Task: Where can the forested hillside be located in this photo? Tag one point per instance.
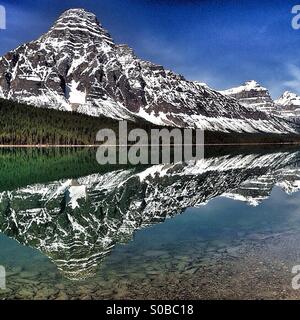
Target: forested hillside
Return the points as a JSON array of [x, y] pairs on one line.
[[21, 124]]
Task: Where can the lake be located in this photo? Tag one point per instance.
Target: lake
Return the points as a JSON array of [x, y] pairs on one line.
[[224, 227]]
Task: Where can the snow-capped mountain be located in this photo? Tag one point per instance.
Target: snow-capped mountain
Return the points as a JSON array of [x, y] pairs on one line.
[[252, 94], [76, 65], [289, 105], [288, 99], [78, 222]]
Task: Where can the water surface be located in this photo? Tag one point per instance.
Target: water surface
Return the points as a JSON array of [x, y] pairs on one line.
[[223, 227]]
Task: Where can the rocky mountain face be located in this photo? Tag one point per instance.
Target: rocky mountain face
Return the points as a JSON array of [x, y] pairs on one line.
[[76, 66], [78, 222], [289, 105], [252, 94]]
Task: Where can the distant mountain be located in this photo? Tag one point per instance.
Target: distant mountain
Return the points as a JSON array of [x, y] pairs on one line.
[[288, 99], [289, 105], [76, 66], [252, 94]]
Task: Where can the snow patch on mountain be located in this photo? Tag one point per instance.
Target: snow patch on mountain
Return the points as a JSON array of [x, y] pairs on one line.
[[75, 193], [75, 96]]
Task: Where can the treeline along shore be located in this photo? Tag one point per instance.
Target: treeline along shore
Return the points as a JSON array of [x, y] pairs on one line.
[[25, 125]]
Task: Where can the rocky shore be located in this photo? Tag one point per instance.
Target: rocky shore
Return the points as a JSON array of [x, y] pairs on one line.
[[256, 266]]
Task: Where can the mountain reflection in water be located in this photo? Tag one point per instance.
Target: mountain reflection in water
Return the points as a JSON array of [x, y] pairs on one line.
[[77, 220]]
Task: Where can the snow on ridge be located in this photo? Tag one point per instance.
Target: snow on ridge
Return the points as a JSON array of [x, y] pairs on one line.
[[287, 99], [247, 86]]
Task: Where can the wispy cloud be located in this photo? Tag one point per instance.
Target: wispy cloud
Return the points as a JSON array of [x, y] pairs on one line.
[[294, 83]]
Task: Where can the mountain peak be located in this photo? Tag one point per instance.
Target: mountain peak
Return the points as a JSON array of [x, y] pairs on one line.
[[247, 86], [288, 99], [252, 94], [289, 94], [253, 85], [79, 26], [78, 13], [252, 82]]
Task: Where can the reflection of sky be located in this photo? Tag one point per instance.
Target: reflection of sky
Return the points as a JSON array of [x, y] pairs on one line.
[[224, 218], [223, 45]]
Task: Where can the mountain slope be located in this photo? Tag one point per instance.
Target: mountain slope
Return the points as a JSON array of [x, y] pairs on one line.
[[76, 66]]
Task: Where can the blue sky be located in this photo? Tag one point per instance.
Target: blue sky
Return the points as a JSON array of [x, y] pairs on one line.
[[222, 43]]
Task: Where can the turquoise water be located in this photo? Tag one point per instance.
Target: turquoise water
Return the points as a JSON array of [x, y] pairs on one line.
[[131, 234]]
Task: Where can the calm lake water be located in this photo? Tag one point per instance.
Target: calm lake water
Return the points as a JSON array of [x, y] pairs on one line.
[[223, 227]]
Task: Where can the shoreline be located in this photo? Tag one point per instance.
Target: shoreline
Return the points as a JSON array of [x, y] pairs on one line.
[[119, 145]]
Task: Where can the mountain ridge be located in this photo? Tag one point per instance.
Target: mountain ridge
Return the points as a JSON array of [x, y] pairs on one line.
[[76, 66], [254, 95]]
